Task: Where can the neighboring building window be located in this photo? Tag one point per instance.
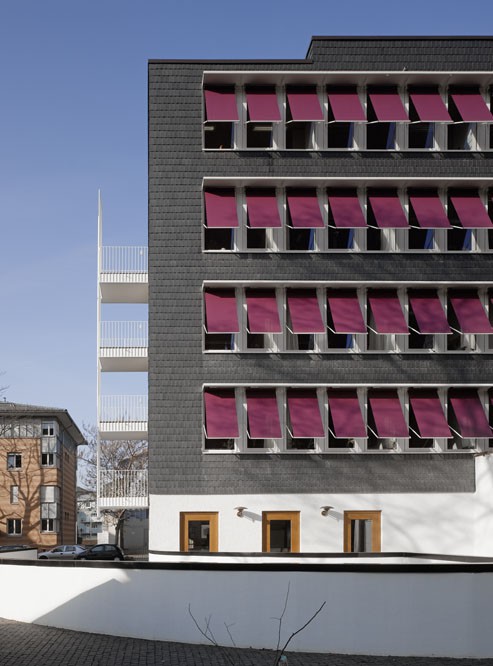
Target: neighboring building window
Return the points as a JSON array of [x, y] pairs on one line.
[[49, 525], [66, 515], [14, 494], [14, 460], [50, 508], [362, 531], [14, 526], [48, 428], [50, 447], [198, 532]]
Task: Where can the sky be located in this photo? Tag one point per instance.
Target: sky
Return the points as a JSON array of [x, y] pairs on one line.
[[73, 119]]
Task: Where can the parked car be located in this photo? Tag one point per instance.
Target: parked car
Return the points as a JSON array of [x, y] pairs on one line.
[[103, 551], [61, 553]]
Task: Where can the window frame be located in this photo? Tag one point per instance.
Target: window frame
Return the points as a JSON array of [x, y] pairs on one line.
[[375, 516], [189, 516]]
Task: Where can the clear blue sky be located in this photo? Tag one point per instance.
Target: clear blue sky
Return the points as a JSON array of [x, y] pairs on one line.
[[73, 90]]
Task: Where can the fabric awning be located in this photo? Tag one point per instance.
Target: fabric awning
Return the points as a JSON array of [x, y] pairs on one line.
[[346, 107], [345, 411], [304, 311], [428, 310], [469, 413], [388, 211], [430, 107], [429, 211], [220, 104], [387, 311], [262, 105], [304, 209], [304, 104], [428, 413], [470, 312], [263, 414], [263, 211], [221, 315], [346, 210], [263, 314], [472, 108], [345, 310], [471, 211], [304, 413], [220, 209], [387, 413], [221, 419], [388, 107]]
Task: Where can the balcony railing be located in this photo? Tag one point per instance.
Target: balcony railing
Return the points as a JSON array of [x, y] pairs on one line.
[[123, 408], [124, 334], [124, 259], [123, 488]]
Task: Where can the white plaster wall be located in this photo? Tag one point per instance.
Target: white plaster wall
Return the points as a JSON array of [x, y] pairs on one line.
[[25, 554], [450, 523], [420, 614]]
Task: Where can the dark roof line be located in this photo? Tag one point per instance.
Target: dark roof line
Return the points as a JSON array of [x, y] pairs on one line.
[[220, 61], [20, 409], [401, 37]]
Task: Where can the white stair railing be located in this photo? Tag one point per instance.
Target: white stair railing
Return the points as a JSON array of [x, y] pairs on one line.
[[123, 408], [124, 259], [124, 334], [123, 484]]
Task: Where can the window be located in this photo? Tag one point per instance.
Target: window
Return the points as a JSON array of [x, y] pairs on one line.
[[198, 532], [14, 494], [50, 508], [14, 526], [280, 532], [48, 429], [221, 114], [14, 460], [50, 447], [362, 531]]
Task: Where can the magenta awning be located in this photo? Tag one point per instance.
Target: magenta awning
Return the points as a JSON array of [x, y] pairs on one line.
[[263, 315], [472, 108], [429, 312], [263, 212], [304, 414], [220, 104], [345, 310], [388, 107], [347, 420], [469, 412], [262, 105], [221, 315], [221, 419], [263, 414], [388, 211], [346, 211], [429, 211], [304, 311], [430, 107], [428, 413], [304, 209], [470, 312], [304, 104], [387, 413], [346, 107], [220, 209], [471, 211], [387, 311]]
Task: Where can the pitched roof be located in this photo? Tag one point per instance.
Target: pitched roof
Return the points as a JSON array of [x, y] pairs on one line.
[[20, 410]]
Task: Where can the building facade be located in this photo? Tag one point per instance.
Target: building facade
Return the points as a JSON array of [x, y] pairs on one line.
[[38, 463], [320, 318]]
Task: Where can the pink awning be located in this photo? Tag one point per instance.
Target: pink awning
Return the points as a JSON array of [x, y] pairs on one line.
[[304, 209], [263, 212], [304, 104], [388, 107], [220, 209], [430, 107], [346, 107], [263, 414], [347, 420], [387, 413], [472, 108], [469, 412], [429, 211], [304, 310], [429, 312], [470, 312], [388, 211], [387, 311], [428, 413], [262, 105], [346, 210], [345, 310], [220, 104], [221, 419], [263, 315], [471, 211], [304, 414], [221, 315]]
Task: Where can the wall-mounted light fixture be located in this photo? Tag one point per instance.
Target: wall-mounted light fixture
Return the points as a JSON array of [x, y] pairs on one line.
[[325, 509], [239, 510]]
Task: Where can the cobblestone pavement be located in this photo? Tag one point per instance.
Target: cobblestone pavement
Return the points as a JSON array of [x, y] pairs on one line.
[[29, 644]]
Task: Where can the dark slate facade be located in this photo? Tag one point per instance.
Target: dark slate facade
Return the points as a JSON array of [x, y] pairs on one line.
[[178, 267]]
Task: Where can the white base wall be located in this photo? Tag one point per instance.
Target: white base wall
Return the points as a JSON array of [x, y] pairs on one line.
[[448, 523]]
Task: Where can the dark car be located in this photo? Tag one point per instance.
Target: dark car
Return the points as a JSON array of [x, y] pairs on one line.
[[103, 551]]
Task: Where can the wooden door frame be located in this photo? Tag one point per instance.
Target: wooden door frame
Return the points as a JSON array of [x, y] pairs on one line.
[[293, 517], [188, 516], [376, 528]]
